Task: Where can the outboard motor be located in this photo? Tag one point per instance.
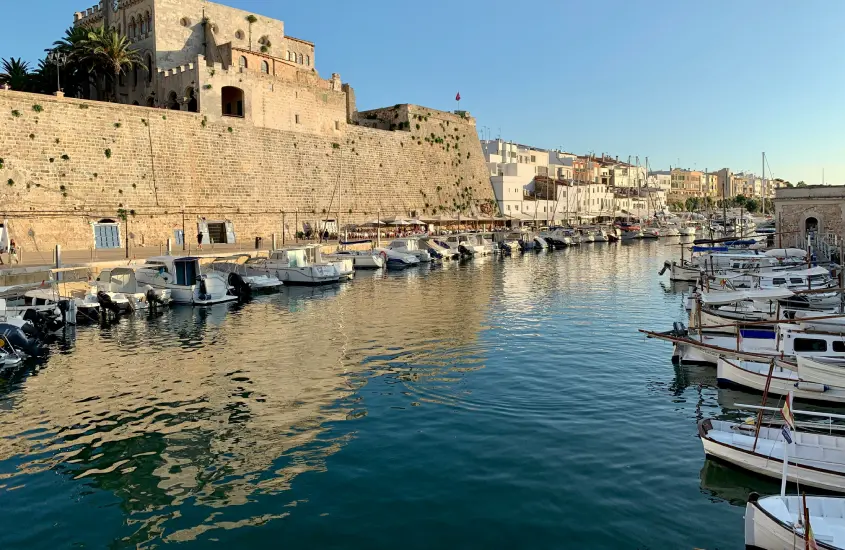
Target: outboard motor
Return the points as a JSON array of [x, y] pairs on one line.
[[239, 287], [203, 290], [666, 265], [107, 305], [465, 250], [679, 330], [20, 341]]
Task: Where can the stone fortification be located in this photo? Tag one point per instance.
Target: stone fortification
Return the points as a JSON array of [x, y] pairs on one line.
[[68, 164]]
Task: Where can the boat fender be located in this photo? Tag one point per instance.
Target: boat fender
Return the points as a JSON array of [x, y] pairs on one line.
[[753, 497], [811, 386]]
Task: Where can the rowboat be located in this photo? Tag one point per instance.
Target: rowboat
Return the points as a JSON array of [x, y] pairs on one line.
[[776, 522]]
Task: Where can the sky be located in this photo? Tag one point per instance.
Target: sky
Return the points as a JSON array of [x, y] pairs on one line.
[[700, 85]]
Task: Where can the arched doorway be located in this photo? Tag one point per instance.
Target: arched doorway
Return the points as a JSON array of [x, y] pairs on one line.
[[811, 224], [232, 101], [192, 99], [172, 101], [151, 102]]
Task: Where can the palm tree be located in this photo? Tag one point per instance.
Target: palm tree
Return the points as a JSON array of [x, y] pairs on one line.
[[109, 55], [15, 73], [77, 73]]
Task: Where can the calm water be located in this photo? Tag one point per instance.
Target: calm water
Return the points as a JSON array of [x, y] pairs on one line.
[[491, 404]]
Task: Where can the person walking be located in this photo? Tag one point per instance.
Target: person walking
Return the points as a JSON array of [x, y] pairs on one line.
[[199, 240], [13, 253]]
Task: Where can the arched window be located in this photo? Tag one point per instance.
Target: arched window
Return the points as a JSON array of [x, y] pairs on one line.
[[242, 62], [300, 59], [192, 100], [132, 28], [149, 22], [149, 68], [308, 60], [288, 57], [172, 101], [232, 101], [143, 26], [265, 67], [135, 103]]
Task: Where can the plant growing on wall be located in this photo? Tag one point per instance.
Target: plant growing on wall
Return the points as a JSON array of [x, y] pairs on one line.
[[250, 19], [1, 164], [107, 153], [11, 182], [37, 108], [16, 113], [65, 157]]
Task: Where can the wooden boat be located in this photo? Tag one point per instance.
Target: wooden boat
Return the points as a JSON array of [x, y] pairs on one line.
[[823, 370], [772, 523], [780, 379]]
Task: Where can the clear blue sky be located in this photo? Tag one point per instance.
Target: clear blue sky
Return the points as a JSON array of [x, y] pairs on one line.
[[707, 84]]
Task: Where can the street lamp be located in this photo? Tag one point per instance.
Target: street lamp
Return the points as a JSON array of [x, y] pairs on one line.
[[59, 58]]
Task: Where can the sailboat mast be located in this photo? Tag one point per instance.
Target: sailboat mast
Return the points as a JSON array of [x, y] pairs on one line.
[[764, 183]]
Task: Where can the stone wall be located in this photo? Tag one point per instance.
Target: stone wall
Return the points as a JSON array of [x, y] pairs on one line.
[[68, 163], [795, 206]]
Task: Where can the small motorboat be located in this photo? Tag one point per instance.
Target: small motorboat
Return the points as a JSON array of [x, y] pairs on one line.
[[185, 279], [397, 260], [361, 259], [121, 286], [291, 266], [241, 283], [410, 245]]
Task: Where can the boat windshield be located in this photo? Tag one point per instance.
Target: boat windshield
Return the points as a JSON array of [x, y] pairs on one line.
[[186, 272]]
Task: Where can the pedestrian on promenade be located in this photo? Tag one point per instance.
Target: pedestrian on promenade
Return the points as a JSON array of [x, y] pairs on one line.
[[199, 240], [13, 253]]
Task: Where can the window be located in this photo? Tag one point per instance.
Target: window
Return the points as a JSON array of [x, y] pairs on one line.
[[265, 67], [242, 62], [232, 101], [796, 281], [143, 26], [307, 60], [149, 68], [239, 34], [131, 30], [300, 59], [337, 125], [839, 346], [297, 118], [779, 281], [149, 22], [809, 345], [289, 55]]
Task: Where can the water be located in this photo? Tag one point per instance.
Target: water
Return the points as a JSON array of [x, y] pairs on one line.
[[496, 403]]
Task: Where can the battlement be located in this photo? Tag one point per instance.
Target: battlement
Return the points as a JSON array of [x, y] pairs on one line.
[[92, 14], [188, 67]]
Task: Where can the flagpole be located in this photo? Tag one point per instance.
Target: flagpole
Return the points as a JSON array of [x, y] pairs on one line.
[[788, 423]]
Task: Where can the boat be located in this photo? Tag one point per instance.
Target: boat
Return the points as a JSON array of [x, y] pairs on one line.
[[785, 342], [120, 283], [411, 246], [345, 267], [486, 241], [397, 260], [540, 243], [466, 247], [731, 267], [781, 378], [829, 371], [291, 266], [630, 231], [185, 279], [776, 522], [243, 284], [437, 251], [688, 229], [650, 233], [361, 259], [815, 460]]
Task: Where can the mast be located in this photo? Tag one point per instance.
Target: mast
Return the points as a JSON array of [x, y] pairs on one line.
[[764, 183], [725, 204]]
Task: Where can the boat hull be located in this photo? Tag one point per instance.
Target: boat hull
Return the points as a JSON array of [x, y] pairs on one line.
[[763, 531], [746, 376]]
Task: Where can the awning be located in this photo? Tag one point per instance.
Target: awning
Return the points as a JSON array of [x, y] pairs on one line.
[[720, 298]]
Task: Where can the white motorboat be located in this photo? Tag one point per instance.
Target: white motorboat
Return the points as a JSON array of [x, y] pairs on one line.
[[361, 259], [437, 250], [184, 278], [291, 266], [410, 245], [650, 233], [487, 241], [777, 522], [464, 245], [345, 267], [815, 460], [670, 230], [397, 260], [540, 243], [121, 283], [688, 230], [243, 284]]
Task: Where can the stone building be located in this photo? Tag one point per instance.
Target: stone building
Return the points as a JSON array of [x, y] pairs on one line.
[[806, 212], [224, 63]]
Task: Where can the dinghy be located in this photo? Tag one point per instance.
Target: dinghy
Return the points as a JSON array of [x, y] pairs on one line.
[[780, 379], [776, 522]]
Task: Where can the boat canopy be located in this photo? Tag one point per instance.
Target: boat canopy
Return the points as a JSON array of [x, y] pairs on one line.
[[721, 298], [812, 272], [786, 253]]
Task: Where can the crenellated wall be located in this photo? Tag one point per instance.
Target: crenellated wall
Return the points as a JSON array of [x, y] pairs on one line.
[[67, 163]]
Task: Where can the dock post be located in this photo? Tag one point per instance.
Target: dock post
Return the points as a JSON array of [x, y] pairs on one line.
[[58, 253], [169, 247]]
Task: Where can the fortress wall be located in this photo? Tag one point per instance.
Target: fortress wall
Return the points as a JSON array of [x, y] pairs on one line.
[[67, 163]]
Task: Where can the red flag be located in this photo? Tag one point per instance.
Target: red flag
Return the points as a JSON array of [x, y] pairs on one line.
[[458, 97]]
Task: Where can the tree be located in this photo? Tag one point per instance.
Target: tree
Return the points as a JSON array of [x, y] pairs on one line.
[[78, 73], [109, 55], [789, 184], [801, 184], [740, 200], [752, 205], [250, 19], [15, 73]]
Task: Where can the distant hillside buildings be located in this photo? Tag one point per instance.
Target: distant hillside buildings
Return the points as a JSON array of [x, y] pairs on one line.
[[533, 183]]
